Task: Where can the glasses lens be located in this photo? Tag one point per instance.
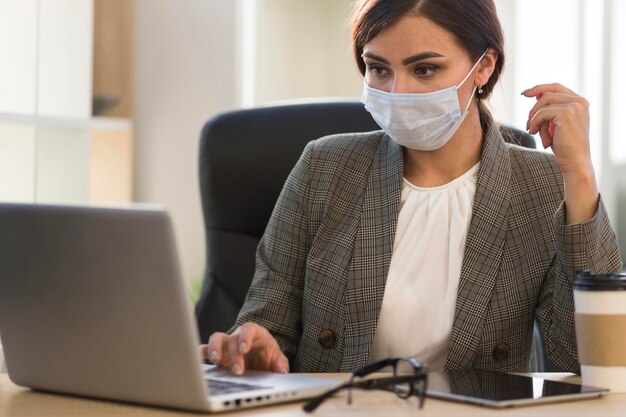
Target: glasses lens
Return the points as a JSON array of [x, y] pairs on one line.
[[403, 370]]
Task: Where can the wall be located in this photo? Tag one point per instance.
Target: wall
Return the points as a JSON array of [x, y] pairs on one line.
[[303, 50], [615, 151], [187, 56], [184, 66]]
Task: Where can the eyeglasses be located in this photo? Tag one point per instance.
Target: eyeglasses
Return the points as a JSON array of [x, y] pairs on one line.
[[404, 385]]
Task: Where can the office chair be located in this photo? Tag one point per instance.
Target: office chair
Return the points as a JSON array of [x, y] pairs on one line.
[[245, 158]]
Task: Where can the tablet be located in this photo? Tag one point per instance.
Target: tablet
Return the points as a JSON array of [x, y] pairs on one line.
[[498, 389]]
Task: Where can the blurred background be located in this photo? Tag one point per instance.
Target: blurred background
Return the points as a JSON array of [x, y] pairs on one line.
[[102, 101]]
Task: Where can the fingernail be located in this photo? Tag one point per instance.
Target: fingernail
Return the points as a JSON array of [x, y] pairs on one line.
[[213, 356], [236, 369], [525, 91], [243, 348]]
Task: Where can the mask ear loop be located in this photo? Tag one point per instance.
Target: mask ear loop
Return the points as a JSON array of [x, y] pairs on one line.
[[470, 100], [472, 70], [480, 91]]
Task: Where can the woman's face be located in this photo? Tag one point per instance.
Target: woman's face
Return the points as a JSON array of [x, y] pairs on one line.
[[417, 56]]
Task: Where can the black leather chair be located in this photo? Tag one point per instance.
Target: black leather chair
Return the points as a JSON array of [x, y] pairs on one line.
[[245, 158]]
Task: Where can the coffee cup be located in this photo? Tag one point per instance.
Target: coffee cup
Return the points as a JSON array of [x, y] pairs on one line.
[[600, 303]]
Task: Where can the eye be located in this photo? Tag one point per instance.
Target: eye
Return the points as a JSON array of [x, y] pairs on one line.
[[426, 71], [377, 70]]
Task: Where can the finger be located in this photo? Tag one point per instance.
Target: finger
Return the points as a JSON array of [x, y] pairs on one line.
[[555, 98], [573, 115], [249, 335], [263, 350], [280, 364], [258, 346], [237, 362], [204, 351], [214, 348], [544, 134], [541, 89], [547, 115]]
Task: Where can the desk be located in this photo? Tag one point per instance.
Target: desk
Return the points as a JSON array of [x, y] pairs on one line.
[[20, 402]]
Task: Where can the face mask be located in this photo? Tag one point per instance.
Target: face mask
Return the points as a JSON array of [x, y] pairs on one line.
[[423, 121]]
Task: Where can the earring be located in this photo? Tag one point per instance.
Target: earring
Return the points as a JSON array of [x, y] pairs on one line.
[[480, 89]]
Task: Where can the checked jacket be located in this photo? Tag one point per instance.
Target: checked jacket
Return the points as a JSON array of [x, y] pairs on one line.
[[322, 263]]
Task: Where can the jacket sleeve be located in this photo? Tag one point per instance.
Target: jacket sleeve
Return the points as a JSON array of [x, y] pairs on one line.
[[274, 299], [588, 245]]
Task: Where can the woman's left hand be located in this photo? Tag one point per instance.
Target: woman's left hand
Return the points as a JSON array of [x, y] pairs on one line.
[[561, 117]]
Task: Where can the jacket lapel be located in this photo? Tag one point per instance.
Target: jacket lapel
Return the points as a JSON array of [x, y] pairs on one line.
[[372, 252], [483, 250]]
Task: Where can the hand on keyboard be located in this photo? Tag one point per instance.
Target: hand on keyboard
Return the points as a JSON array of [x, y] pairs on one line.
[[249, 347]]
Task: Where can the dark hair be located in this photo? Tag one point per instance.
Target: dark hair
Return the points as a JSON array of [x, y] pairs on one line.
[[474, 23]]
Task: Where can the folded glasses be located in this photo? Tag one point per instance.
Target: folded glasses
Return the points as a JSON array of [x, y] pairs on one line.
[[403, 384]]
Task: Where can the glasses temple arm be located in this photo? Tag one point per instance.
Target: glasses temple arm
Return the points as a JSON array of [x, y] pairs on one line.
[[374, 366], [316, 401]]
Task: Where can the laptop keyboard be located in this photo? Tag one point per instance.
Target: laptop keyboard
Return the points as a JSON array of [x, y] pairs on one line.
[[220, 387]]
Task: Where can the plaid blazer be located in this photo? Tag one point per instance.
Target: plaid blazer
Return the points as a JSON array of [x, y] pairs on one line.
[[322, 263]]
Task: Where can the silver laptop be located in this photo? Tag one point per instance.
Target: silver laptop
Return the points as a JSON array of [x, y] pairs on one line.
[[92, 304]]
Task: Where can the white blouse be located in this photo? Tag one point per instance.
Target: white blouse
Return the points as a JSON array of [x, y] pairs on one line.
[[420, 294]]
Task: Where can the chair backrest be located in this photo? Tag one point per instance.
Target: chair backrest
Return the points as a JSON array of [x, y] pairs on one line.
[[245, 158]]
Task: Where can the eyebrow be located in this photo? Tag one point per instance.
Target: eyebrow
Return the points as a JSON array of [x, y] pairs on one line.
[[405, 61]]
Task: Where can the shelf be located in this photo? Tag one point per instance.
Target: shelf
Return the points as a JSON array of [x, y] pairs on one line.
[[93, 123], [62, 57]]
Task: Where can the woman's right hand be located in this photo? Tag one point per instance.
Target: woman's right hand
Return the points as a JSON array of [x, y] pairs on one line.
[[249, 347]]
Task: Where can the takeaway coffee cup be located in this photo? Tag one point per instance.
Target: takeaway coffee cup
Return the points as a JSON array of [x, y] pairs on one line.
[[600, 302]]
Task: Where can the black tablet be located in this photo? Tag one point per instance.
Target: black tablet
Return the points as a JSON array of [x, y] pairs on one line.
[[498, 389]]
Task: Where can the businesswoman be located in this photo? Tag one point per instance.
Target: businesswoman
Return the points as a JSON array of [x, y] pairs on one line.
[[433, 237]]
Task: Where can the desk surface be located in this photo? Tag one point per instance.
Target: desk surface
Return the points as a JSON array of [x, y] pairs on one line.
[[20, 402]]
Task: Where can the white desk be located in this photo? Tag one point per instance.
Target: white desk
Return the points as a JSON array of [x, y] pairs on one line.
[[20, 402]]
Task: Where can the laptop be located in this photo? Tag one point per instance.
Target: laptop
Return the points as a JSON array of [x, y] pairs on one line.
[[92, 304]]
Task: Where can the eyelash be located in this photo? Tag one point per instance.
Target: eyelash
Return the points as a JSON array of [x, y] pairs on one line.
[[381, 72], [373, 69], [433, 69]]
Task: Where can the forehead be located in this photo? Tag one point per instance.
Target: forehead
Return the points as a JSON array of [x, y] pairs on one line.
[[413, 34]]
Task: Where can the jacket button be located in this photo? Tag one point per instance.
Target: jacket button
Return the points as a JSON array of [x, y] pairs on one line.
[[501, 351], [327, 338]]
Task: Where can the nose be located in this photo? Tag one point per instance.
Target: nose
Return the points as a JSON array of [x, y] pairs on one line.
[[400, 85]]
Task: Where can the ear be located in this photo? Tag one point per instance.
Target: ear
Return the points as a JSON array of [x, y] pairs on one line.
[[486, 67]]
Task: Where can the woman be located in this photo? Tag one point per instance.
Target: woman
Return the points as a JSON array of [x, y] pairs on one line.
[[431, 238]]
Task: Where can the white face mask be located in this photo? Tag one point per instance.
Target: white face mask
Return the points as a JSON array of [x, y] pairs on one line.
[[424, 121]]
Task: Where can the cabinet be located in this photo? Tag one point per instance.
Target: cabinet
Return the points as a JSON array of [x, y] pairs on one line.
[[52, 146]]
